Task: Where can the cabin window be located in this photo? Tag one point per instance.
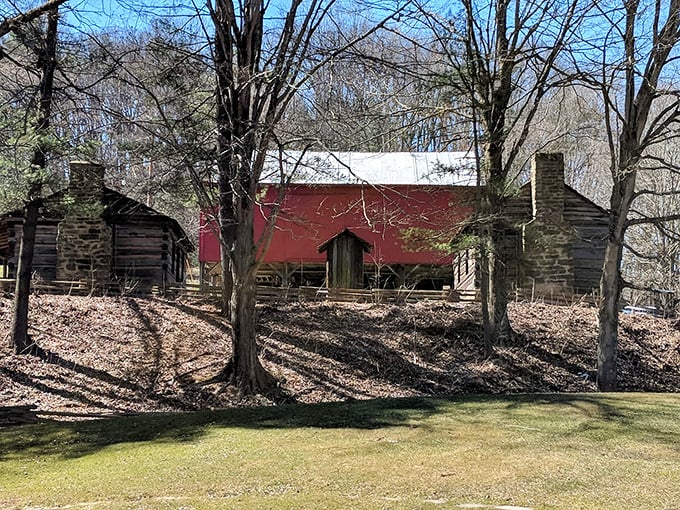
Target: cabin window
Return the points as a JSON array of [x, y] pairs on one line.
[[4, 268]]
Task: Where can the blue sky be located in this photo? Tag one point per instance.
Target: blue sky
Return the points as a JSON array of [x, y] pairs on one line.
[[90, 14]]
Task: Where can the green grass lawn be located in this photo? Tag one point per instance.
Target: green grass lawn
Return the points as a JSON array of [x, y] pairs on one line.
[[592, 451]]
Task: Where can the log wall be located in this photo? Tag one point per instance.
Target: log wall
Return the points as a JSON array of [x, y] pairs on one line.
[[146, 254], [45, 255]]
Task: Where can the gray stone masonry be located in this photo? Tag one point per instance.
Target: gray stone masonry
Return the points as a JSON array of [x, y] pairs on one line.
[[548, 240], [84, 239], [547, 187]]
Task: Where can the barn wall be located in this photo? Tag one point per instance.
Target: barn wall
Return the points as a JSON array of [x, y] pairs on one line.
[[403, 223]]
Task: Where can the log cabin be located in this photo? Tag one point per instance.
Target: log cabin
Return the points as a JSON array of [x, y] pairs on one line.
[[404, 216], [92, 233]]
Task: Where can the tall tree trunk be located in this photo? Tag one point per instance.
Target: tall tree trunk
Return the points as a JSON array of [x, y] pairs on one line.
[[496, 324], [244, 370], [499, 284], [47, 62], [488, 328], [611, 283], [608, 317], [227, 285], [20, 338]]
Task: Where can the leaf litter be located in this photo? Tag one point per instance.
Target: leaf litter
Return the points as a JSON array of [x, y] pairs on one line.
[[128, 355]]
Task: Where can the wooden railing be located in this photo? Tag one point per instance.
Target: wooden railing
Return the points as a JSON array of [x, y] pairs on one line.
[[339, 295], [50, 287], [464, 270], [264, 293]]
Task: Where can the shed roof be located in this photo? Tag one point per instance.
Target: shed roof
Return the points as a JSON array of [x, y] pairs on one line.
[[433, 168], [346, 232]]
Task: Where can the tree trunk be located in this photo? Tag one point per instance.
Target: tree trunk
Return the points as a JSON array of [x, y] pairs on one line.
[[488, 328], [227, 285], [496, 323], [495, 316], [47, 62], [611, 283], [608, 317], [244, 370], [500, 283], [21, 340]]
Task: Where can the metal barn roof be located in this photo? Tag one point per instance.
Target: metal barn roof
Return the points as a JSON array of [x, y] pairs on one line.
[[434, 168]]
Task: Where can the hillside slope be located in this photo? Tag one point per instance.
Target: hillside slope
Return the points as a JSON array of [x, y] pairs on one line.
[[128, 355]]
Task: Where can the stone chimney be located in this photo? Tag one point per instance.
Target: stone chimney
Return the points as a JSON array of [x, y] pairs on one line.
[[547, 187], [547, 239], [86, 181], [84, 239]]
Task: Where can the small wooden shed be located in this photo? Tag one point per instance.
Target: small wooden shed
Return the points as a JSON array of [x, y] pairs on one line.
[[345, 260]]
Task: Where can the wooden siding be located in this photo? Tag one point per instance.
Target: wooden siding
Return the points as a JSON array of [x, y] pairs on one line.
[[45, 255], [346, 263], [591, 225], [147, 254]]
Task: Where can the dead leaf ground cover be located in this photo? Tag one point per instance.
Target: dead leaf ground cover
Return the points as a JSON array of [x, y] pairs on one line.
[[122, 354]]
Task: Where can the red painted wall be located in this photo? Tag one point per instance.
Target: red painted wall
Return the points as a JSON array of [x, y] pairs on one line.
[[383, 216]]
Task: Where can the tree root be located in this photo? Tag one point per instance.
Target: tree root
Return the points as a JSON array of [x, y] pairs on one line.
[[260, 382]]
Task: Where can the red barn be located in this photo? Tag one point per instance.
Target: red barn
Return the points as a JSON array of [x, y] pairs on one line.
[[407, 226]]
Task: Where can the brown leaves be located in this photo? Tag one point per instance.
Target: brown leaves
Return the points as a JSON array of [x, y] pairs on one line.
[[128, 355]]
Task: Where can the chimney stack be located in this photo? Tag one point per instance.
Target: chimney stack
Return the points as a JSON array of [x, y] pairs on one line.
[[548, 239], [86, 181], [547, 187], [84, 239]]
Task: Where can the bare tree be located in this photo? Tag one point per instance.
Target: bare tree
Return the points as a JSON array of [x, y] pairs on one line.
[[499, 59], [630, 75], [260, 64]]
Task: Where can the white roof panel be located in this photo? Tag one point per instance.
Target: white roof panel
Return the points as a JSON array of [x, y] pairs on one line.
[[434, 168]]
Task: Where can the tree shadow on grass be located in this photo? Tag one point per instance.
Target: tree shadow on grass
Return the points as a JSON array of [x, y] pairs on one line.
[[81, 438], [599, 419], [605, 417]]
